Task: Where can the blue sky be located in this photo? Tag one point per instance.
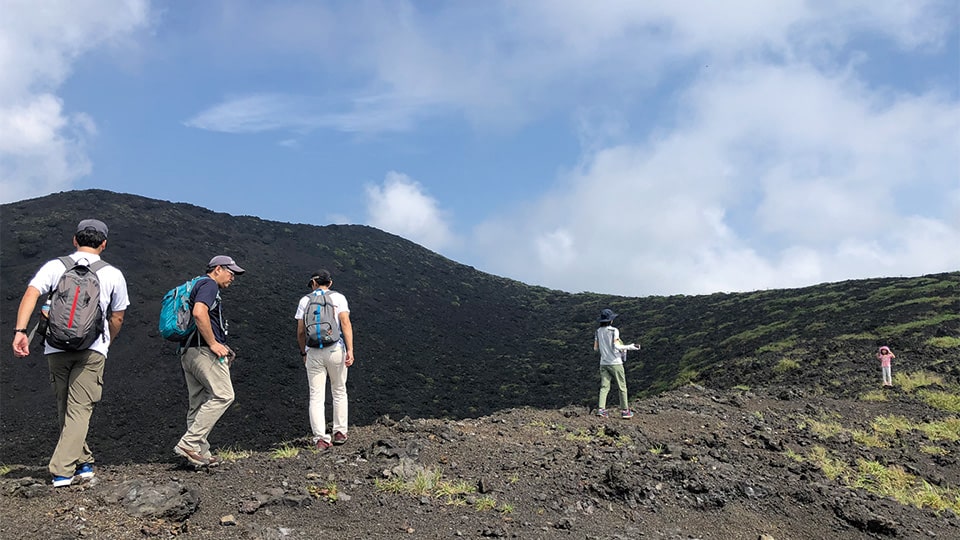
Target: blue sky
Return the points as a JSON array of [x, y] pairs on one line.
[[622, 147]]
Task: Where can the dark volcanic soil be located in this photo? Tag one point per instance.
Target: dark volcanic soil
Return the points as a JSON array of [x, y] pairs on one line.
[[693, 463]]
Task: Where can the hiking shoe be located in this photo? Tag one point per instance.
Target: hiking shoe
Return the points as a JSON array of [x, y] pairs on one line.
[[85, 471], [193, 457], [602, 413], [323, 445], [339, 438], [62, 481], [213, 461], [626, 413]]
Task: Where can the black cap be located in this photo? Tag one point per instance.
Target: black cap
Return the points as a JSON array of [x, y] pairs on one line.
[[321, 276]]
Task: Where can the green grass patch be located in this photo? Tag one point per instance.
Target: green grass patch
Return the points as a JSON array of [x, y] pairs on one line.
[[900, 329], [889, 425], [903, 487], [485, 503], [917, 379], [233, 454], [285, 451], [865, 336], [885, 481], [872, 440], [874, 395], [938, 399], [754, 333], [933, 450], [579, 436], [785, 365], [779, 346], [945, 342], [790, 454], [831, 467], [824, 429], [685, 377], [5, 469], [947, 429], [428, 483]]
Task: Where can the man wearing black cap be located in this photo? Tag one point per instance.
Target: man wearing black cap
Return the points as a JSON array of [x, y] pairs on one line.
[[76, 375], [323, 361], [206, 359]]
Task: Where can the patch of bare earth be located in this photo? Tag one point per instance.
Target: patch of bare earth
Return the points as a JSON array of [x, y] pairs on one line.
[[692, 463]]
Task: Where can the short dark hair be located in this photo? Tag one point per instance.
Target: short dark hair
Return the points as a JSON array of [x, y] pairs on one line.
[[90, 238]]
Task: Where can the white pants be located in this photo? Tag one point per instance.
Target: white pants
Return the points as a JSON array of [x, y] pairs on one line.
[[887, 378], [328, 361]]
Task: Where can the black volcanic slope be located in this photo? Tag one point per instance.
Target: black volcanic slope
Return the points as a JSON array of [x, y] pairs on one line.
[[434, 338]]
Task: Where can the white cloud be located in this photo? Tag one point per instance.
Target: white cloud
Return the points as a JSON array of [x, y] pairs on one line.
[[401, 207], [776, 177], [505, 63], [43, 147]]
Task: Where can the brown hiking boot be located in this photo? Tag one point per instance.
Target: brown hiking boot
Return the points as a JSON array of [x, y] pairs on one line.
[[193, 457]]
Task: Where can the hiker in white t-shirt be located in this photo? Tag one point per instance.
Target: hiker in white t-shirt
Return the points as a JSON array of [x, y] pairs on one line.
[[330, 360], [76, 375], [612, 353]]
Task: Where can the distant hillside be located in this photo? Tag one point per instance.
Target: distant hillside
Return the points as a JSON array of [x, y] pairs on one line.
[[434, 338]]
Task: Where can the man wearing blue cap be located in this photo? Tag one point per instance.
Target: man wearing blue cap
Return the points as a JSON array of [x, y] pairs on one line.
[[76, 371], [612, 351]]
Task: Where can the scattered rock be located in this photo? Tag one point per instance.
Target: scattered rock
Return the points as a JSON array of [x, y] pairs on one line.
[[142, 498]]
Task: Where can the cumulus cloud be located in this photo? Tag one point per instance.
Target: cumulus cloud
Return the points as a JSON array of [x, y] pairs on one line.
[[778, 176], [42, 146], [401, 206]]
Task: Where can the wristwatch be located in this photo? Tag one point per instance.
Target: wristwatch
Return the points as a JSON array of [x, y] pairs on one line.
[[303, 353], [21, 331]]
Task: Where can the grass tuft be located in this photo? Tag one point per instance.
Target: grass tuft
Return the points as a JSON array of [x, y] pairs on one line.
[[285, 451], [947, 429], [917, 379], [945, 401], [946, 342], [786, 365], [874, 395], [233, 454]]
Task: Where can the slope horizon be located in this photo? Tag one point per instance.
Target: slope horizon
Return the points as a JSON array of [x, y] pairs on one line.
[[435, 338]]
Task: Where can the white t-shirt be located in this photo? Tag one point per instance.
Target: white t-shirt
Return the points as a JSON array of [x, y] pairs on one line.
[[338, 300], [608, 341], [113, 293]]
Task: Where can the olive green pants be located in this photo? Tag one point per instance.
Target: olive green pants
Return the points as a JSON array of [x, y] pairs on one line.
[[77, 381], [613, 373]]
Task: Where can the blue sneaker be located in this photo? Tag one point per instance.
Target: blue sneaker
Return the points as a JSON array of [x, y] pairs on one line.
[[85, 471], [602, 413], [62, 481]]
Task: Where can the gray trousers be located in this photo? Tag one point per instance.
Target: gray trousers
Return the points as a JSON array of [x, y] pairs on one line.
[[77, 381], [210, 393]]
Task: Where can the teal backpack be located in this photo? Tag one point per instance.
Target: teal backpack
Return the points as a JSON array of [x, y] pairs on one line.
[[176, 312]]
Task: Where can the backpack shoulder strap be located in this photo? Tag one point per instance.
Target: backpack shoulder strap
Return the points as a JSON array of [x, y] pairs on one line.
[[67, 261], [99, 265]]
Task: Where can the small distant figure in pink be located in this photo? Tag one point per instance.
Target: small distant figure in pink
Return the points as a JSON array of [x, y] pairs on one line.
[[885, 355]]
